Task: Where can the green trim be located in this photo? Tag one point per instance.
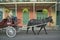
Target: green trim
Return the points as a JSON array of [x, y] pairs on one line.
[[44, 11], [25, 18], [1, 15], [58, 17], [25, 10], [14, 12]]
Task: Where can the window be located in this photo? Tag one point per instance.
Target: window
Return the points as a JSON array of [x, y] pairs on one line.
[[39, 14]]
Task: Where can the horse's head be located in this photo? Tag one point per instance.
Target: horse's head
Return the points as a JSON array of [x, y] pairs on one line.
[[50, 19]]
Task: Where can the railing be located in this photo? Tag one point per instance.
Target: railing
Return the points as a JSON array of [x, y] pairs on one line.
[[27, 0]]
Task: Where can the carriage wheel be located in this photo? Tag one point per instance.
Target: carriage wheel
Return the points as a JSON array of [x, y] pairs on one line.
[[10, 31]]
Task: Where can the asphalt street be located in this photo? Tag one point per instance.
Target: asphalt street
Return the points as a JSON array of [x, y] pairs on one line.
[[52, 35]]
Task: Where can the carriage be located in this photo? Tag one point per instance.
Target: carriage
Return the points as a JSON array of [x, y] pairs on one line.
[[11, 25]]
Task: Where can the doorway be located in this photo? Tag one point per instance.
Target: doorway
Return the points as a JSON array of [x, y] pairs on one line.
[[39, 14], [58, 18], [1, 15], [25, 16]]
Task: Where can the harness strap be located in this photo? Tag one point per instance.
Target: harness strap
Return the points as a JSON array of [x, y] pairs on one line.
[[37, 25]]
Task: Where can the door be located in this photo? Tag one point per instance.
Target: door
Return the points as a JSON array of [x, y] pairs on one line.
[[14, 12], [58, 18], [1, 15], [39, 14], [25, 17]]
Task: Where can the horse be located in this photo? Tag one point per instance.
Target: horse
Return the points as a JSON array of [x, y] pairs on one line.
[[39, 23]]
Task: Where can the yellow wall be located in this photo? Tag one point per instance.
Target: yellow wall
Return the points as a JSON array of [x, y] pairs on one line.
[[53, 14]]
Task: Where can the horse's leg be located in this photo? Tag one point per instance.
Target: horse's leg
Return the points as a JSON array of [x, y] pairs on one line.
[[45, 30], [39, 30], [33, 30], [27, 29]]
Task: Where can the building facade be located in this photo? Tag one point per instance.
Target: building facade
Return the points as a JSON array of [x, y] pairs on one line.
[[29, 9]]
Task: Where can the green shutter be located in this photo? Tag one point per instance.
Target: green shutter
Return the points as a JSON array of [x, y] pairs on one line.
[[1, 15], [58, 18], [39, 15], [14, 12], [25, 17]]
